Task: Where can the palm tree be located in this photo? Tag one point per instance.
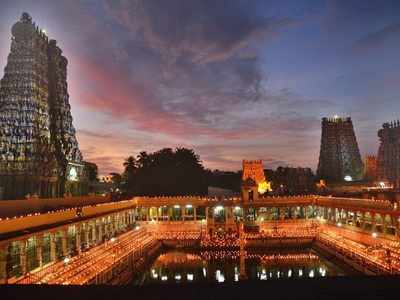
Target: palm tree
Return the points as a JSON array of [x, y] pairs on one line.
[[130, 165]]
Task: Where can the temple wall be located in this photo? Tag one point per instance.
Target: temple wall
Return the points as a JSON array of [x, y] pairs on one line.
[[36, 220], [33, 205]]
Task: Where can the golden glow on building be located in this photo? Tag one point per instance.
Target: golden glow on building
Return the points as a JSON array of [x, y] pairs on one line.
[[264, 186]]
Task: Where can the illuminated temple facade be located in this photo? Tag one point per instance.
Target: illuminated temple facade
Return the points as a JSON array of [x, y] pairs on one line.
[[339, 158], [39, 153], [389, 153]]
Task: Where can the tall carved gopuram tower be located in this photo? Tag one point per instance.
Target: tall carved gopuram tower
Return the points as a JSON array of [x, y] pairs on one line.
[[389, 153], [39, 153], [339, 158]]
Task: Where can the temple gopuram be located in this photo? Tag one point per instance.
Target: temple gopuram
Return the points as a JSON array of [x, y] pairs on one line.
[[39, 153], [389, 154], [339, 158], [253, 180]]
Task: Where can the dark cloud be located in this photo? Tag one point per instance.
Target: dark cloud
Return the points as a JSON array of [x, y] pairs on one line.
[[233, 79], [390, 33], [202, 31], [93, 134], [199, 58]]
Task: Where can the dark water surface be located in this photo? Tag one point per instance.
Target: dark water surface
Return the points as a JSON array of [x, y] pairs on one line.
[[179, 266]]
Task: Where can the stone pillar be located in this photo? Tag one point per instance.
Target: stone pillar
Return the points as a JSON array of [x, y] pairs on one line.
[[100, 239], [362, 221], [39, 250], [52, 247], [123, 215], [118, 222], [106, 228], [207, 214], [64, 243], [127, 218], [118, 219], [94, 240], [183, 212], [78, 238], [114, 224], [86, 232], [384, 225], [22, 257], [396, 224], [194, 213], [3, 264], [147, 214], [282, 213], [373, 222]]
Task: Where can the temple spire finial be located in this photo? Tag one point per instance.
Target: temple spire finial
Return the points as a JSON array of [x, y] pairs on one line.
[[26, 18]]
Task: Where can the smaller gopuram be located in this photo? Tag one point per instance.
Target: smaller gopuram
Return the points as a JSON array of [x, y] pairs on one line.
[[388, 161], [370, 168], [254, 182]]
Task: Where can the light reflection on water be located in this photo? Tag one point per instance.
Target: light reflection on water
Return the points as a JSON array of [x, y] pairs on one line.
[[184, 267]]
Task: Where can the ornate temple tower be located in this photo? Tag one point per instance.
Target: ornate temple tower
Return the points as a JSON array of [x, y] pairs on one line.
[[389, 153], [38, 149], [253, 180], [339, 158], [370, 167]]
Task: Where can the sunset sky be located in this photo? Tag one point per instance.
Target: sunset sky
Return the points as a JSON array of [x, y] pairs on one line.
[[232, 79]]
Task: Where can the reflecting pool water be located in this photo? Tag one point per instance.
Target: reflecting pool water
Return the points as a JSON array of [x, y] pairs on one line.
[[224, 266]]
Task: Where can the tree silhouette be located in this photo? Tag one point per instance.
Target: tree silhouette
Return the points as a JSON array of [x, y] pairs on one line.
[[165, 172], [129, 174]]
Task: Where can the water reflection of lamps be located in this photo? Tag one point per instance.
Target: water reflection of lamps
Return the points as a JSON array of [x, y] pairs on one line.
[[219, 276], [66, 260], [236, 274], [348, 178]]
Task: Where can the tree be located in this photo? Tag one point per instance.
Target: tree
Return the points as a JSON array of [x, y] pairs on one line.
[[92, 171], [166, 172], [116, 180], [130, 166]]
